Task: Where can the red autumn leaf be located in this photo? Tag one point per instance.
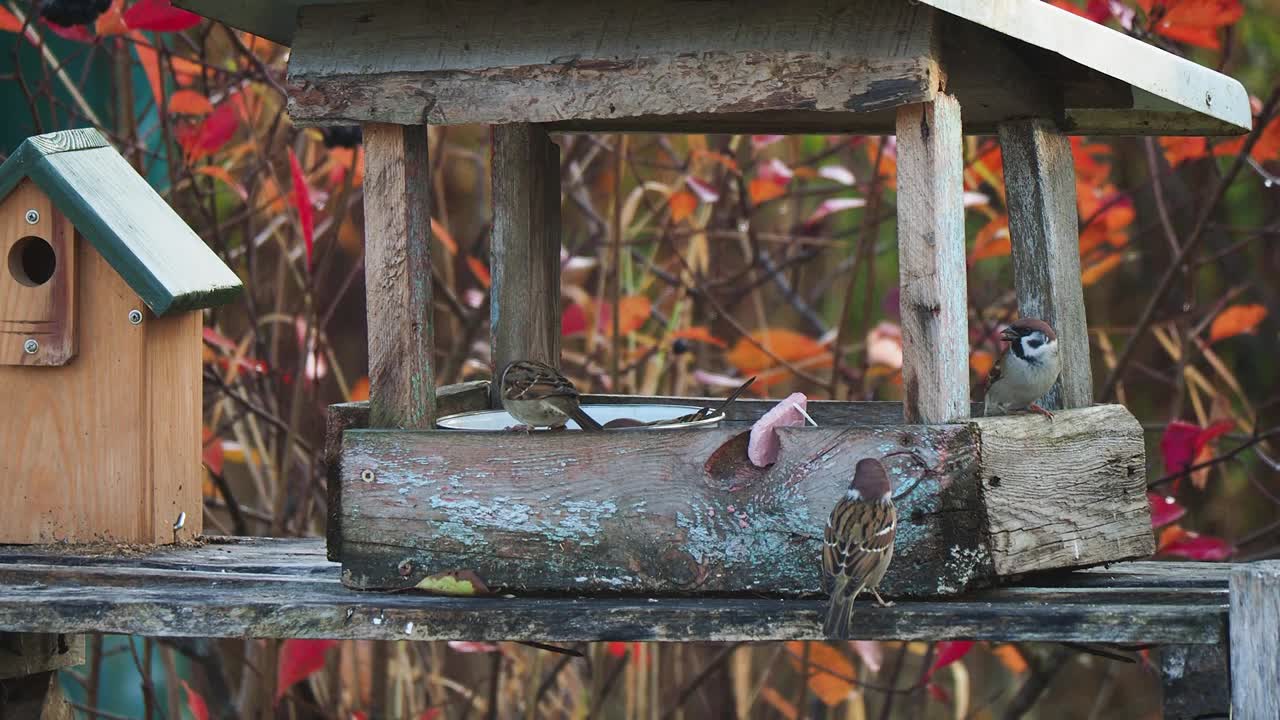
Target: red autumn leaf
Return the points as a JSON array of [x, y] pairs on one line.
[[760, 141], [573, 320], [159, 16], [1182, 441], [949, 651], [466, 646], [9, 22], [189, 102], [302, 201], [1164, 509], [211, 456], [1176, 542], [939, 693], [299, 659], [682, 204], [616, 649], [1236, 320], [195, 703], [1195, 22], [204, 139], [78, 33], [430, 714]]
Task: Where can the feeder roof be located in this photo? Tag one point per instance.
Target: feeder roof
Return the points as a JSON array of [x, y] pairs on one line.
[[1099, 81], [133, 228]]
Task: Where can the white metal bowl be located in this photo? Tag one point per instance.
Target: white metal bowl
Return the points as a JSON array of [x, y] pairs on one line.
[[496, 420]]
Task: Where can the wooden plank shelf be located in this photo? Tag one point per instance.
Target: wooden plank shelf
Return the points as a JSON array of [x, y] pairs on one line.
[[255, 587]]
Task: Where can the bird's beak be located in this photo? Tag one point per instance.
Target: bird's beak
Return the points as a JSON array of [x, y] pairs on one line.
[[1009, 334]]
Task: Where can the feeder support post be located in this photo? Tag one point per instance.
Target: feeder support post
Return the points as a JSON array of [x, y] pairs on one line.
[[1255, 640], [524, 305], [931, 261], [397, 271], [1040, 185]]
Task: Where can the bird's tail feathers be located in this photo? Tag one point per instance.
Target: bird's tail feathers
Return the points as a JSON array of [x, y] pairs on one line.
[[840, 608], [585, 421]]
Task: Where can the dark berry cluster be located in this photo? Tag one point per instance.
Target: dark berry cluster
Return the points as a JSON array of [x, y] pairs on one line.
[[347, 136], [73, 12]]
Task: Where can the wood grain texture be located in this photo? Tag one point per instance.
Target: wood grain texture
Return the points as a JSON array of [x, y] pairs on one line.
[[524, 307], [397, 209], [450, 399], [648, 511], [30, 653], [44, 312], [1071, 492], [549, 60], [106, 448], [110, 204], [260, 587], [1255, 640], [1040, 183], [931, 262], [34, 697]]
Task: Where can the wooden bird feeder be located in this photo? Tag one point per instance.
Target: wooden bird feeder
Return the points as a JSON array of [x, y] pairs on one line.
[[100, 292], [683, 512]]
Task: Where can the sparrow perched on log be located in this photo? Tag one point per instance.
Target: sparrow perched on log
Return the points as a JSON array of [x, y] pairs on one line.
[[1026, 371], [537, 395], [858, 544]]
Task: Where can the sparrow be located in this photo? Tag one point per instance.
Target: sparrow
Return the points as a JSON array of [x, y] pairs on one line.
[[1026, 371], [858, 544], [537, 395]]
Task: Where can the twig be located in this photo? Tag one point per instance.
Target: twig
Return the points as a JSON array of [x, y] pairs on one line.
[[1257, 438], [700, 678]]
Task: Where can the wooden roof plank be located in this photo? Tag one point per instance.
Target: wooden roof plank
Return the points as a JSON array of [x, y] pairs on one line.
[[238, 587], [161, 258]]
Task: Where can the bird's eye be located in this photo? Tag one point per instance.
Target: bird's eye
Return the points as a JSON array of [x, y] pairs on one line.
[[1033, 344]]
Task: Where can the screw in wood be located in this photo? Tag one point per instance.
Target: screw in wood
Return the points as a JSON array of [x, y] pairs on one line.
[[33, 217], [366, 475], [30, 347], [135, 317]]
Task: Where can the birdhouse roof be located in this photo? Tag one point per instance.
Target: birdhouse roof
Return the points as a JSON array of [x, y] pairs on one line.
[[132, 227], [405, 56]]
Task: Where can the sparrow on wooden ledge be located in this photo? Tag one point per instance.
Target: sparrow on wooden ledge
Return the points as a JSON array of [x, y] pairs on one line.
[[858, 544], [537, 395], [1026, 371]]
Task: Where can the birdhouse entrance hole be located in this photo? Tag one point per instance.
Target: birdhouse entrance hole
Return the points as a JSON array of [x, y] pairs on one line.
[[32, 261]]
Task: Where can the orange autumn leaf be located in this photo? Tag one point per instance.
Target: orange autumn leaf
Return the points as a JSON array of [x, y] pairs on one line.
[[682, 204], [446, 239], [112, 21], [220, 173], [1236, 320], [888, 168], [987, 167], [1170, 535], [1267, 148], [633, 313], [360, 390], [784, 706], [480, 270], [1095, 272], [9, 22], [1011, 658], [1195, 22], [786, 344], [766, 379], [189, 102], [762, 190], [1108, 230], [699, 333], [1178, 150], [831, 673], [992, 240], [982, 361]]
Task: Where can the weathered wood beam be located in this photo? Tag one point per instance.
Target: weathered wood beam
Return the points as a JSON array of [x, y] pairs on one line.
[[29, 662], [1040, 184], [497, 62], [1255, 640], [684, 511], [1193, 681], [397, 271], [524, 308], [931, 262], [284, 588]]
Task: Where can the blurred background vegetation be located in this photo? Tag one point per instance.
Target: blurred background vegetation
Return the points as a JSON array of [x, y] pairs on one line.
[[710, 247]]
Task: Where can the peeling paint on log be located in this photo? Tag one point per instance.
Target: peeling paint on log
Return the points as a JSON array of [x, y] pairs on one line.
[[683, 512]]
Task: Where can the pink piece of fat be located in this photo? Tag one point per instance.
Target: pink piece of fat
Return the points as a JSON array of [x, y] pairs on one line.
[[764, 445]]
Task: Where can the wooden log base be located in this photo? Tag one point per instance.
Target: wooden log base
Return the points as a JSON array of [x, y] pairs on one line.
[[259, 587], [684, 512]]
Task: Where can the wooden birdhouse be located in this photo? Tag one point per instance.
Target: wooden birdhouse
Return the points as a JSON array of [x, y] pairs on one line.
[[980, 499], [101, 289]]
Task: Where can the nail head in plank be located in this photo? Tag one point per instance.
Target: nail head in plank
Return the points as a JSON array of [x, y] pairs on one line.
[[1040, 186], [931, 262], [397, 208]]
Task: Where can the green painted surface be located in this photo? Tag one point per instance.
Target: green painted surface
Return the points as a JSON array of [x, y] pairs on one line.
[[113, 207]]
